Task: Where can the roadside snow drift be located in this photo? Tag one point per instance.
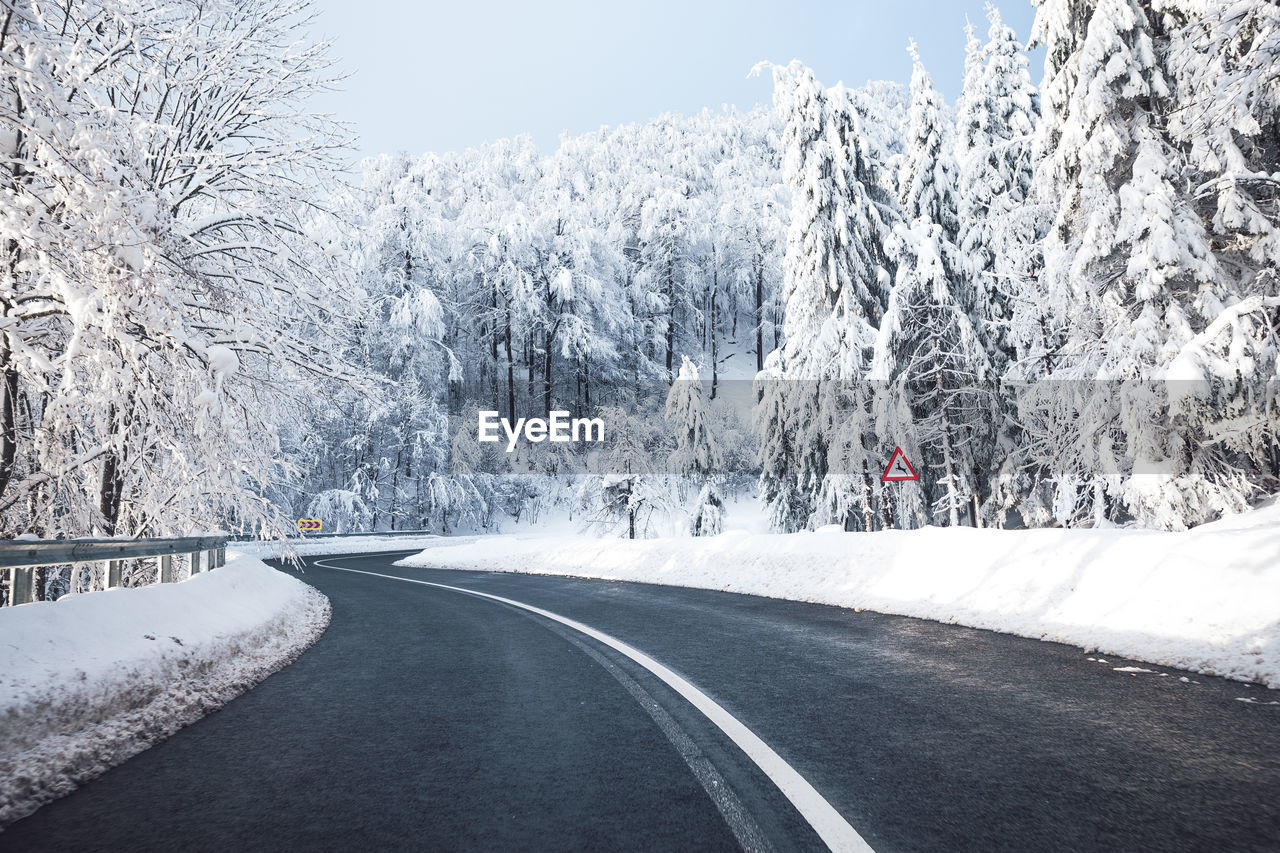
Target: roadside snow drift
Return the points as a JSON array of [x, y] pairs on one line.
[[92, 679], [1206, 600]]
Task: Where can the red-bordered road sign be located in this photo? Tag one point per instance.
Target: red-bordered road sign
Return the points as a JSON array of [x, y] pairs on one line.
[[899, 469]]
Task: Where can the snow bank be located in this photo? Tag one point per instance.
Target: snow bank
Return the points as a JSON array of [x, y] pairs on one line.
[[92, 679], [1206, 600]]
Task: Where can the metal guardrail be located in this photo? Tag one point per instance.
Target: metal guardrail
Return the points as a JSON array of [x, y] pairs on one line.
[[21, 558], [309, 536]]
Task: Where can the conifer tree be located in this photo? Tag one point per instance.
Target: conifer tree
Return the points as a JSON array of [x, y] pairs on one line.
[[833, 291], [928, 355], [1130, 275], [997, 116], [697, 454]]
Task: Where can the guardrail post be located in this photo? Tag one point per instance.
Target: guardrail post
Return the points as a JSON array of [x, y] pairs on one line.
[[195, 563], [21, 583], [166, 568], [113, 573], [222, 557]]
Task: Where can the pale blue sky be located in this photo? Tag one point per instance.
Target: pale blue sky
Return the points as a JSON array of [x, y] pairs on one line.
[[431, 76]]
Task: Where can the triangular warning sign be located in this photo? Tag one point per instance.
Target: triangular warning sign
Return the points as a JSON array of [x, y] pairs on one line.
[[899, 469]]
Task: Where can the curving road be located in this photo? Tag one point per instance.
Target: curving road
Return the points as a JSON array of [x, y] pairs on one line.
[[591, 715]]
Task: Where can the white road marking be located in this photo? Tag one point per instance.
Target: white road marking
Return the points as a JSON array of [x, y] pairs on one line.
[[831, 827], [740, 822]]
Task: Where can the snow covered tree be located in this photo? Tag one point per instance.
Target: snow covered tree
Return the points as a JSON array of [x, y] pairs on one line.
[[697, 453], [793, 452], [165, 300], [573, 262], [928, 354], [1223, 59], [927, 180], [396, 436], [834, 290], [671, 232], [1000, 234], [511, 280], [453, 500], [997, 116], [753, 219], [934, 369], [630, 496], [1132, 281], [341, 510]]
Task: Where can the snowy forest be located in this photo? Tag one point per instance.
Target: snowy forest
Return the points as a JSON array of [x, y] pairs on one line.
[[1057, 296]]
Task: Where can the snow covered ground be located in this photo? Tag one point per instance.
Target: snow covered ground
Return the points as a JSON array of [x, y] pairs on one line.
[[1207, 600], [92, 679]]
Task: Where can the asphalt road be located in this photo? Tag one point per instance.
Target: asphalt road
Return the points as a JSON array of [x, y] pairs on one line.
[[428, 719]]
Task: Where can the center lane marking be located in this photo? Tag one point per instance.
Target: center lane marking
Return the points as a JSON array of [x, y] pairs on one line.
[[830, 825]]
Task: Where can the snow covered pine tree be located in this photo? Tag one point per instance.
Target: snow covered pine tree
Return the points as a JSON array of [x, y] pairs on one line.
[[1165, 343], [697, 454]]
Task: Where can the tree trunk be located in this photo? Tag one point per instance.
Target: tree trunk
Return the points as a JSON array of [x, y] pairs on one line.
[[715, 349], [1047, 359], [549, 341], [948, 460], [109, 490], [528, 357], [976, 506], [671, 318], [395, 489], [111, 486], [886, 506], [9, 403], [491, 329], [868, 519], [546, 373], [511, 375], [759, 313], [8, 416], [493, 339]]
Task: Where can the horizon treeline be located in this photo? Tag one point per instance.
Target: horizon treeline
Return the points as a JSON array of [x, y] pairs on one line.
[[1059, 297], [1060, 301]]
